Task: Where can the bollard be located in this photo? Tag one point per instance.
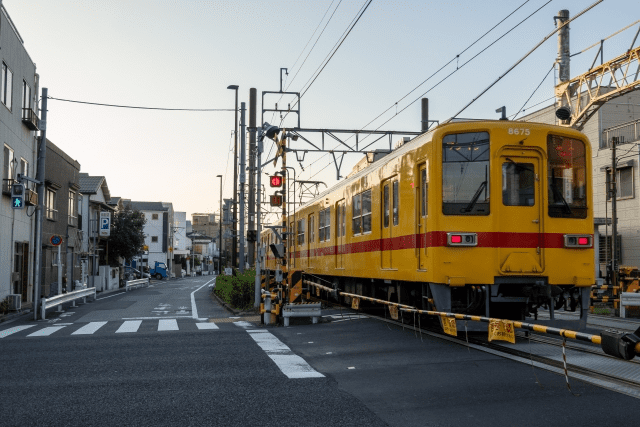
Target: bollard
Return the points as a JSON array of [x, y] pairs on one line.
[[267, 308]]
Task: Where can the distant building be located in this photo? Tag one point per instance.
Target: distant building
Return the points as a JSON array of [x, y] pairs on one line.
[[158, 232]]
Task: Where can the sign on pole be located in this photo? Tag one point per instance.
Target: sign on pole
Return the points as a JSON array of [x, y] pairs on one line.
[[105, 224]]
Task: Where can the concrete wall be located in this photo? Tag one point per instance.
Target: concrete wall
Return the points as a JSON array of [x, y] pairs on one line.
[[16, 225]]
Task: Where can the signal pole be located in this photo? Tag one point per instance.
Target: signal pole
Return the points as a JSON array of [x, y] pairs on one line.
[[243, 179], [614, 216], [42, 156], [252, 174]]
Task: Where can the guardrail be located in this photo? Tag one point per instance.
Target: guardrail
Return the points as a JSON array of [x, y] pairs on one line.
[[61, 299], [629, 299], [130, 284], [307, 309]]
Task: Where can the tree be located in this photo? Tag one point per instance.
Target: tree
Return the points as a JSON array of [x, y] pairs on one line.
[[127, 236]]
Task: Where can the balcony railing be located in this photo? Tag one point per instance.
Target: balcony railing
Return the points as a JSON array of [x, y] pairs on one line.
[[626, 133], [6, 186], [29, 118], [72, 221]]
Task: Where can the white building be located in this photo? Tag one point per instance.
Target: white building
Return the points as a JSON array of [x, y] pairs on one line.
[[158, 232], [18, 124]]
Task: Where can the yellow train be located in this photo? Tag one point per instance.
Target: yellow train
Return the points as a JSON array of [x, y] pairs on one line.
[[478, 217]]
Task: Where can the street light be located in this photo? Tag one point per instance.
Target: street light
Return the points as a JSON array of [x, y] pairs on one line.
[[220, 235], [234, 246]]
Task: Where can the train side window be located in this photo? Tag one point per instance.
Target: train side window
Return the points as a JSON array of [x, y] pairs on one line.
[[356, 222], [396, 201], [300, 232], [341, 222], [361, 220], [312, 229], [385, 205], [324, 225], [424, 191]]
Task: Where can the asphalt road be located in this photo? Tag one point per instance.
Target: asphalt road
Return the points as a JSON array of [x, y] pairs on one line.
[[169, 355]]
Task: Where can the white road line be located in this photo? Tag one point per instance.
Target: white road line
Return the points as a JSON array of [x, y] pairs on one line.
[[110, 296], [244, 324], [292, 365], [89, 328], [207, 325], [194, 309], [46, 331], [157, 317], [13, 330], [129, 326], [167, 325]]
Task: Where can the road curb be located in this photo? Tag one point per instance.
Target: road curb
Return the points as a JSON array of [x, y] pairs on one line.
[[231, 310]]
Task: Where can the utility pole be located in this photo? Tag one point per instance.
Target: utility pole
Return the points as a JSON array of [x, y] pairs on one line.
[[258, 279], [234, 245], [243, 179], [252, 173], [614, 216], [42, 156]]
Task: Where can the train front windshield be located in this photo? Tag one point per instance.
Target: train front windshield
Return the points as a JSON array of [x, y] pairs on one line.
[[567, 178], [465, 174]]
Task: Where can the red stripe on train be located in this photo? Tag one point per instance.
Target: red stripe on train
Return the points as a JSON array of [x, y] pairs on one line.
[[434, 239]]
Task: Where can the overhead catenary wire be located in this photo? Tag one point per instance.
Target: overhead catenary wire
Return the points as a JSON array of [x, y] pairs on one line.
[[526, 55], [458, 68], [535, 90], [140, 108], [606, 38]]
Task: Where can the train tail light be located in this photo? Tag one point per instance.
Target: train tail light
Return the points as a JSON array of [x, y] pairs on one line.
[[462, 239], [578, 241]]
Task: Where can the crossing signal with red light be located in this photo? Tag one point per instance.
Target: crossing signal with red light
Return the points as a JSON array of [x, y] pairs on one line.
[[275, 181], [275, 200]]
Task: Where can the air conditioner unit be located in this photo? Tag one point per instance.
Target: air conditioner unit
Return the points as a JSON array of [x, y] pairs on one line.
[[15, 302]]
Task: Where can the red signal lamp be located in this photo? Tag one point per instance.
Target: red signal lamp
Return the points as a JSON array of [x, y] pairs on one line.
[[275, 181]]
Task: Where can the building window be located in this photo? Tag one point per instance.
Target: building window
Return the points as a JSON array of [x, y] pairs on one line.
[[361, 219], [605, 246], [300, 232], [24, 167], [324, 225], [50, 204], [26, 95], [154, 216], [6, 85], [72, 220], [154, 239], [624, 183], [8, 168]]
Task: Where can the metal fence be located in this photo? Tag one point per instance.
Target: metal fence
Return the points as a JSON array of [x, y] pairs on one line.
[[626, 133]]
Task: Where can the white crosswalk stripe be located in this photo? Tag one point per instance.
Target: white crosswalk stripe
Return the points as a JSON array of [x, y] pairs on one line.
[[168, 325], [46, 331], [13, 330], [210, 325], [129, 326], [89, 328]]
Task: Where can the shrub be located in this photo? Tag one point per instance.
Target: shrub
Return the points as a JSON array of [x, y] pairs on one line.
[[237, 290]]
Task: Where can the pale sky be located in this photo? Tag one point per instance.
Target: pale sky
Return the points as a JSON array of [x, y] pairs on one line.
[[184, 54]]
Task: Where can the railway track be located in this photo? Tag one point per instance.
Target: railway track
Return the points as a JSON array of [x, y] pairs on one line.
[[587, 363]]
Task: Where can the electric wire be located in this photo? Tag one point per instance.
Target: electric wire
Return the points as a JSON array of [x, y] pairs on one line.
[[140, 108], [536, 89], [454, 71], [317, 73], [606, 38]]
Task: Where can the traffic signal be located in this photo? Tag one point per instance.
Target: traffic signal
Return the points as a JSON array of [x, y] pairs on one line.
[[275, 200], [275, 181], [17, 196]]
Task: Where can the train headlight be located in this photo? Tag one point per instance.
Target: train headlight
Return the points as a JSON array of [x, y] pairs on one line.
[[578, 241], [462, 239]]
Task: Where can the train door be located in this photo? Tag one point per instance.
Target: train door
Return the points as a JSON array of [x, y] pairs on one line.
[[423, 197], [521, 213], [341, 231], [386, 227]]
